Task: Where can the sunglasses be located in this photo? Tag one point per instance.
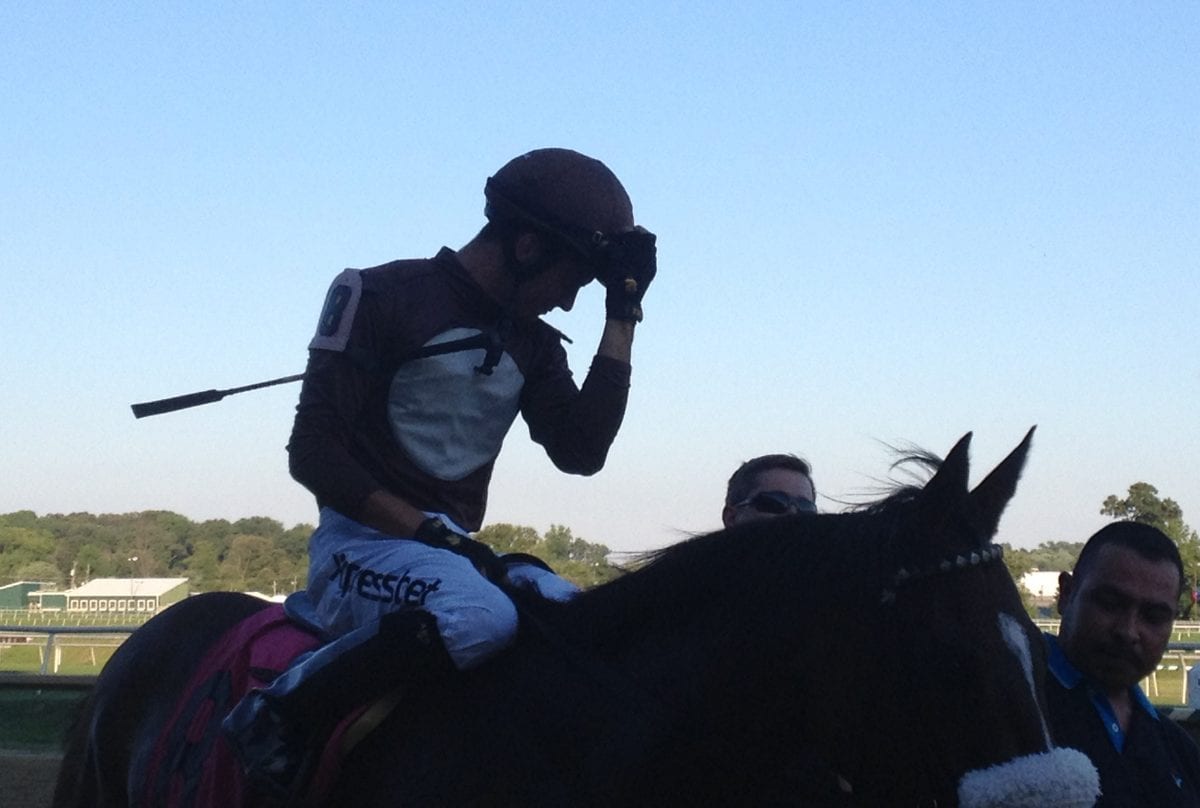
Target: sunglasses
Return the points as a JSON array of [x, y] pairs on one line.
[[777, 502]]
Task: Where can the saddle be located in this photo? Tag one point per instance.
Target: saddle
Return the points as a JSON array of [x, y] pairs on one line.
[[191, 764]]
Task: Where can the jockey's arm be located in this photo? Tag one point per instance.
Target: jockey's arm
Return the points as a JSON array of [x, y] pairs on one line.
[[617, 340], [577, 425]]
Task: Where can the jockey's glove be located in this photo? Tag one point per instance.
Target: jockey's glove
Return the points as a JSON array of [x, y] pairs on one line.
[[436, 533], [632, 265]]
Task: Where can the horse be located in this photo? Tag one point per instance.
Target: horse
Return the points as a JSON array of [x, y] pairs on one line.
[[875, 657]]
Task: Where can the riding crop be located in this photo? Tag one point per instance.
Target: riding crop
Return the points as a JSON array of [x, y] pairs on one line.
[[203, 397]]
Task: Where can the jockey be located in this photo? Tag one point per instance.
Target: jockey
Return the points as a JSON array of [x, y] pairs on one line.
[[417, 371]]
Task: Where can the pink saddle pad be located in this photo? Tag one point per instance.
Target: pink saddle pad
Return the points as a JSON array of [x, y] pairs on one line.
[[191, 765]]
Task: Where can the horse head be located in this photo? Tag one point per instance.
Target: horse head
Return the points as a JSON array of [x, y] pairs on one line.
[[955, 691]]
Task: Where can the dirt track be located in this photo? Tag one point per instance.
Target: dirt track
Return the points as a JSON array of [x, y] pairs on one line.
[[27, 780]]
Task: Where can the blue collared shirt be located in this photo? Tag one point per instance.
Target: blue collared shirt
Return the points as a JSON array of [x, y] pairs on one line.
[[1071, 677]]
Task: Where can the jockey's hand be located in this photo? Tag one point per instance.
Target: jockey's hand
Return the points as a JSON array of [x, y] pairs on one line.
[[436, 533], [634, 263]]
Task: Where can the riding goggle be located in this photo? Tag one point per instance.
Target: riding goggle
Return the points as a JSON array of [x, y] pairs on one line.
[[777, 502]]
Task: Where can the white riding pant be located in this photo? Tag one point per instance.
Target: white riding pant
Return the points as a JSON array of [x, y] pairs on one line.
[[357, 574]]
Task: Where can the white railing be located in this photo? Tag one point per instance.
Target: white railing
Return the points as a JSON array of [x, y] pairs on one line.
[[1183, 653], [58, 637]]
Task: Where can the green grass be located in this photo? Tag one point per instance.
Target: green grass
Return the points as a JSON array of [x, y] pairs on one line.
[[84, 660], [36, 720], [1169, 689]]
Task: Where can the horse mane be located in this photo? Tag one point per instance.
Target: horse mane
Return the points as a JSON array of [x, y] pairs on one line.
[[814, 557], [918, 465], [804, 557]]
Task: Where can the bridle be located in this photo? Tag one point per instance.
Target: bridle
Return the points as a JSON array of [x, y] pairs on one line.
[[930, 773], [908, 575]]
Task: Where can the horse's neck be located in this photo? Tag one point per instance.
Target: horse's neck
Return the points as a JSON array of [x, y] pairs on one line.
[[712, 665], [678, 646], [718, 603]]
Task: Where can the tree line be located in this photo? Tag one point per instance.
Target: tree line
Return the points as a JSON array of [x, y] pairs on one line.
[[260, 554], [252, 554], [1142, 504]]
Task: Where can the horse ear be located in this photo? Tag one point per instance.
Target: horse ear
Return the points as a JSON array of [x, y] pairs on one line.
[[944, 495], [990, 497], [951, 477]]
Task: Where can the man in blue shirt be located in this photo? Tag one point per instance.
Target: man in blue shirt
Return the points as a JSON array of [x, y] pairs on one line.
[[1118, 609]]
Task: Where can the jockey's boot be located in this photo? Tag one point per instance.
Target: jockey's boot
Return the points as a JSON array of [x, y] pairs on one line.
[[279, 733]]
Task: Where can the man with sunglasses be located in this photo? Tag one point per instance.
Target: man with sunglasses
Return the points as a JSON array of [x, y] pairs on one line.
[[415, 375], [766, 486]]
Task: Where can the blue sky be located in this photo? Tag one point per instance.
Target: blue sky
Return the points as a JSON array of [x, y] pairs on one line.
[[878, 223]]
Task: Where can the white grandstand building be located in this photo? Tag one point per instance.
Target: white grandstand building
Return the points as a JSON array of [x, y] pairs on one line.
[[113, 595]]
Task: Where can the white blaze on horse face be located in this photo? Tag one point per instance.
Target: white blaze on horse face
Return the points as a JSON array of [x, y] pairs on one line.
[[1064, 778], [1018, 642]]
